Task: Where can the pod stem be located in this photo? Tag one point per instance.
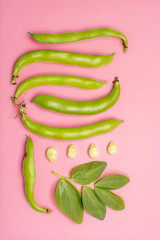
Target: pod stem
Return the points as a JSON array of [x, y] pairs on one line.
[[14, 77], [14, 100], [125, 49], [22, 112], [17, 115], [125, 46], [116, 80], [60, 176], [48, 211]]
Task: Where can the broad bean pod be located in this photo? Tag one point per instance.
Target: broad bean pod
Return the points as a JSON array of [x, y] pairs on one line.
[[70, 58], [73, 133], [74, 81], [67, 37], [79, 107], [29, 174]]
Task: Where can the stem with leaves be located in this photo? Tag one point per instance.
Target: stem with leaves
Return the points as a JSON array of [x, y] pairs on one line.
[[72, 203]]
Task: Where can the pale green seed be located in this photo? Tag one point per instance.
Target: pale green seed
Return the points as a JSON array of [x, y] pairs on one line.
[[93, 151], [72, 152], [51, 154], [112, 148]]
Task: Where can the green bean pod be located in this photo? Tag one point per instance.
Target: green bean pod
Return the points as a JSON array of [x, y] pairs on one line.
[[70, 58], [29, 174], [74, 133], [79, 107], [67, 37], [74, 81]]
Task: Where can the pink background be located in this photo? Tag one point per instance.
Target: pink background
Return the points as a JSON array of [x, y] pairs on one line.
[[137, 139]]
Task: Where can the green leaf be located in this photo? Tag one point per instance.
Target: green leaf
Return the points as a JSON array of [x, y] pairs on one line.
[[110, 199], [92, 204], [112, 182], [88, 172], [69, 200]]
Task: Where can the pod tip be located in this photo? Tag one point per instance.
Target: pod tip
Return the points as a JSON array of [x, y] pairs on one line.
[[116, 79]]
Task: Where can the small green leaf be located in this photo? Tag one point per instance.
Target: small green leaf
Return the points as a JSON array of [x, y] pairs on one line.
[[110, 199], [112, 182], [88, 172], [92, 204], [69, 200]]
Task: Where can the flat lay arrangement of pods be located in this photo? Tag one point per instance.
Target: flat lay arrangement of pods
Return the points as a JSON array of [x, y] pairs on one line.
[[95, 194]]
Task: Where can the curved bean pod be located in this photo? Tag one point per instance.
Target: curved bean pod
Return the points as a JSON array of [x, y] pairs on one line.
[[74, 133], [29, 174], [79, 107], [73, 81], [70, 58], [67, 37]]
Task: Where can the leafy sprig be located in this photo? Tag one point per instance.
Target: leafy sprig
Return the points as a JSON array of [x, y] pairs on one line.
[[72, 203]]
